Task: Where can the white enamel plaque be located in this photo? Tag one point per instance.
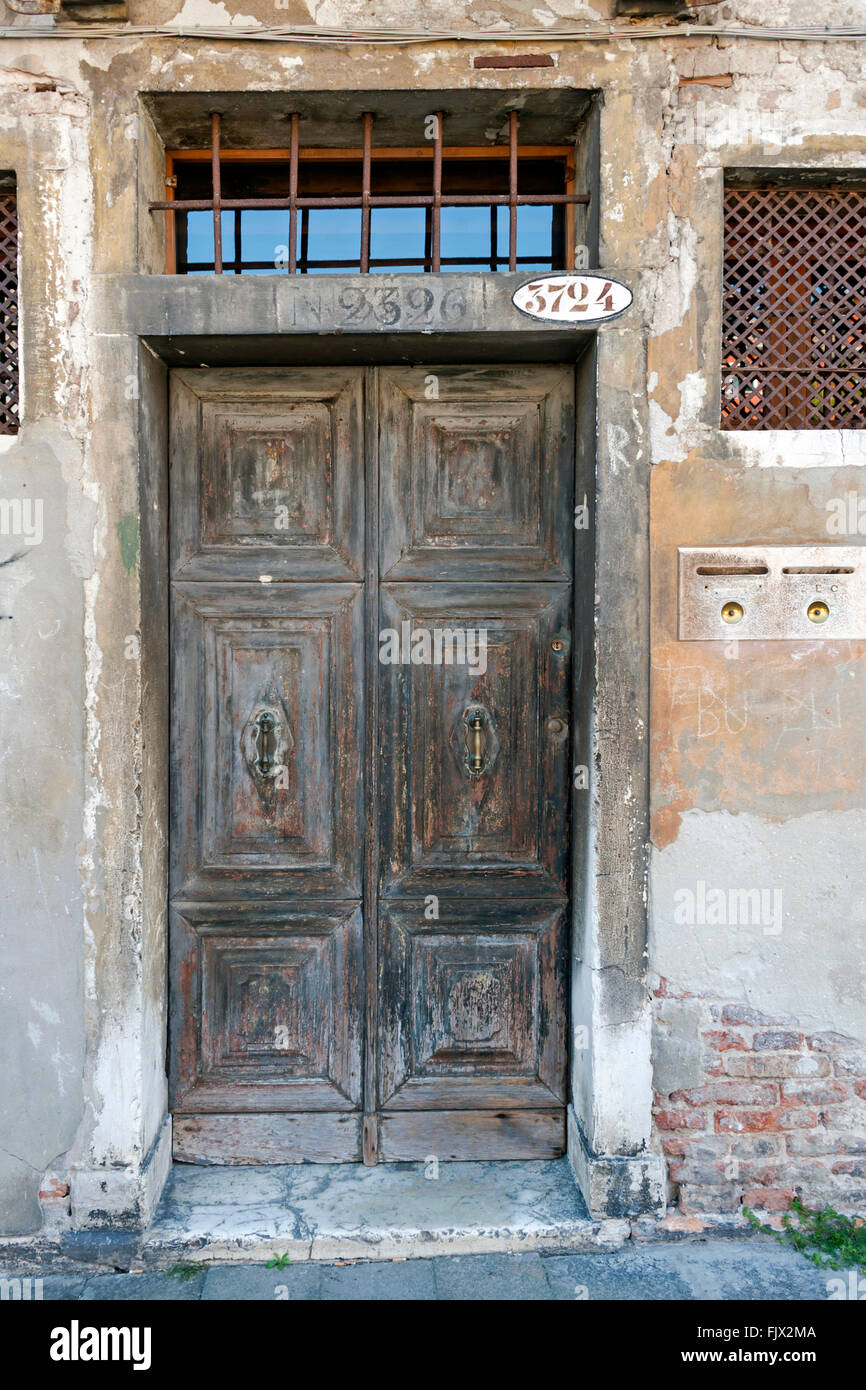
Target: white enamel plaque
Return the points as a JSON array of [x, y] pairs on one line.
[[572, 298]]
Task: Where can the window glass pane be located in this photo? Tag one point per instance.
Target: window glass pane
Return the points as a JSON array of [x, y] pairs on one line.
[[333, 234], [465, 236], [264, 239], [398, 234], [199, 237]]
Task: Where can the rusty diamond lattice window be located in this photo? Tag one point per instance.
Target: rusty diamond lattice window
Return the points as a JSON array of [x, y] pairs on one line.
[[794, 313], [8, 307]]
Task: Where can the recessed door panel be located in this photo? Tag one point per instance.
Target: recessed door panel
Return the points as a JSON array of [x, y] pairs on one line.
[[479, 476], [270, 1008], [268, 700], [265, 472], [498, 829], [473, 1006]]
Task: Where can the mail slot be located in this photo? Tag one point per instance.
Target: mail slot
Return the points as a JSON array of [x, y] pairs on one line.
[[771, 592]]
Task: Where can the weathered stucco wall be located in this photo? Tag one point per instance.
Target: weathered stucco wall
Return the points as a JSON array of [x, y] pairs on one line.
[[754, 763]]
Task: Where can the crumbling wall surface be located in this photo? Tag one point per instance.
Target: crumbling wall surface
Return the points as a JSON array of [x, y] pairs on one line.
[[49, 508], [78, 1097], [758, 882]]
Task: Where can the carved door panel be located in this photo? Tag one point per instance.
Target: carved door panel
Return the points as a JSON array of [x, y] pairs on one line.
[[370, 849]]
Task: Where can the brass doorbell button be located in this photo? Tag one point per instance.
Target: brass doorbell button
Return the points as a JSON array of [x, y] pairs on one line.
[[733, 612]]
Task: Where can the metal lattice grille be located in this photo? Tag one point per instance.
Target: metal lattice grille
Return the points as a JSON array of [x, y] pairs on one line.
[[794, 318], [8, 311]]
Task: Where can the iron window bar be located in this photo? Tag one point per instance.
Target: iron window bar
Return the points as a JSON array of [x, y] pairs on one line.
[[433, 201]]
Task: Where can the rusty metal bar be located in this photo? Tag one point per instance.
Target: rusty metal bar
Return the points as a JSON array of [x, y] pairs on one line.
[[293, 193], [421, 262], [217, 191], [433, 201], [512, 190], [408, 200], [437, 192], [365, 192]]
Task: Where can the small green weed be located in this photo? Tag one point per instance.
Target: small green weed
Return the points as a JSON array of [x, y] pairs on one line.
[[278, 1262], [827, 1238], [184, 1271]]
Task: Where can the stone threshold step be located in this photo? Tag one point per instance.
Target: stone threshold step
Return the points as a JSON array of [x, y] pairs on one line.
[[347, 1212]]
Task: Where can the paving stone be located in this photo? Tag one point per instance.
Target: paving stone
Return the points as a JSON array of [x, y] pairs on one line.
[[638, 1275], [295, 1283], [490, 1277], [56, 1287], [152, 1285], [397, 1280], [751, 1271]]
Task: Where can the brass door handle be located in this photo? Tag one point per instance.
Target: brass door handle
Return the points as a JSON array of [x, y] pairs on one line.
[[476, 759]]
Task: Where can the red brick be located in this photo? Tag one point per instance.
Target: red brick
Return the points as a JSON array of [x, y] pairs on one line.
[[742, 1014], [776, 1040], [854, 1167], [758, 1174], [817, 1143], [687, 1170], [777, 1064], [731, 1092], [675, 1148], [739, 1121], [829, 1042], [797, 1119], [814, 1092], [680, 1119], [54, 1188], [752, 1146], [696, 1199], [768, 1198], [854, 1064], [723, 1040]]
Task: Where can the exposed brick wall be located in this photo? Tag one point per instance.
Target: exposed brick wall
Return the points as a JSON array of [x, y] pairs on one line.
[[778, 1113]]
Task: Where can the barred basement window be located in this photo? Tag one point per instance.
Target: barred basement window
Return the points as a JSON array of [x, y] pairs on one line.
[[8, 305], [313, 210], [794, 314]]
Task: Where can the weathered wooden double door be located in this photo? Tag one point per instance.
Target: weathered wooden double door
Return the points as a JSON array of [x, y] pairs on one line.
[[371, 629]]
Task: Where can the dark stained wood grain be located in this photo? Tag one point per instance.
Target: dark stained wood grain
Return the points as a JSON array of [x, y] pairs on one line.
[[505, 833], [268, 1005], [454, 1135], [479, 473], [236, 649], [267, 474], [472, 1006], [242, 1139]]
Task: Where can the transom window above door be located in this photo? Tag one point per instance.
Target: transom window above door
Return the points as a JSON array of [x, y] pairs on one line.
[[311, 209]]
